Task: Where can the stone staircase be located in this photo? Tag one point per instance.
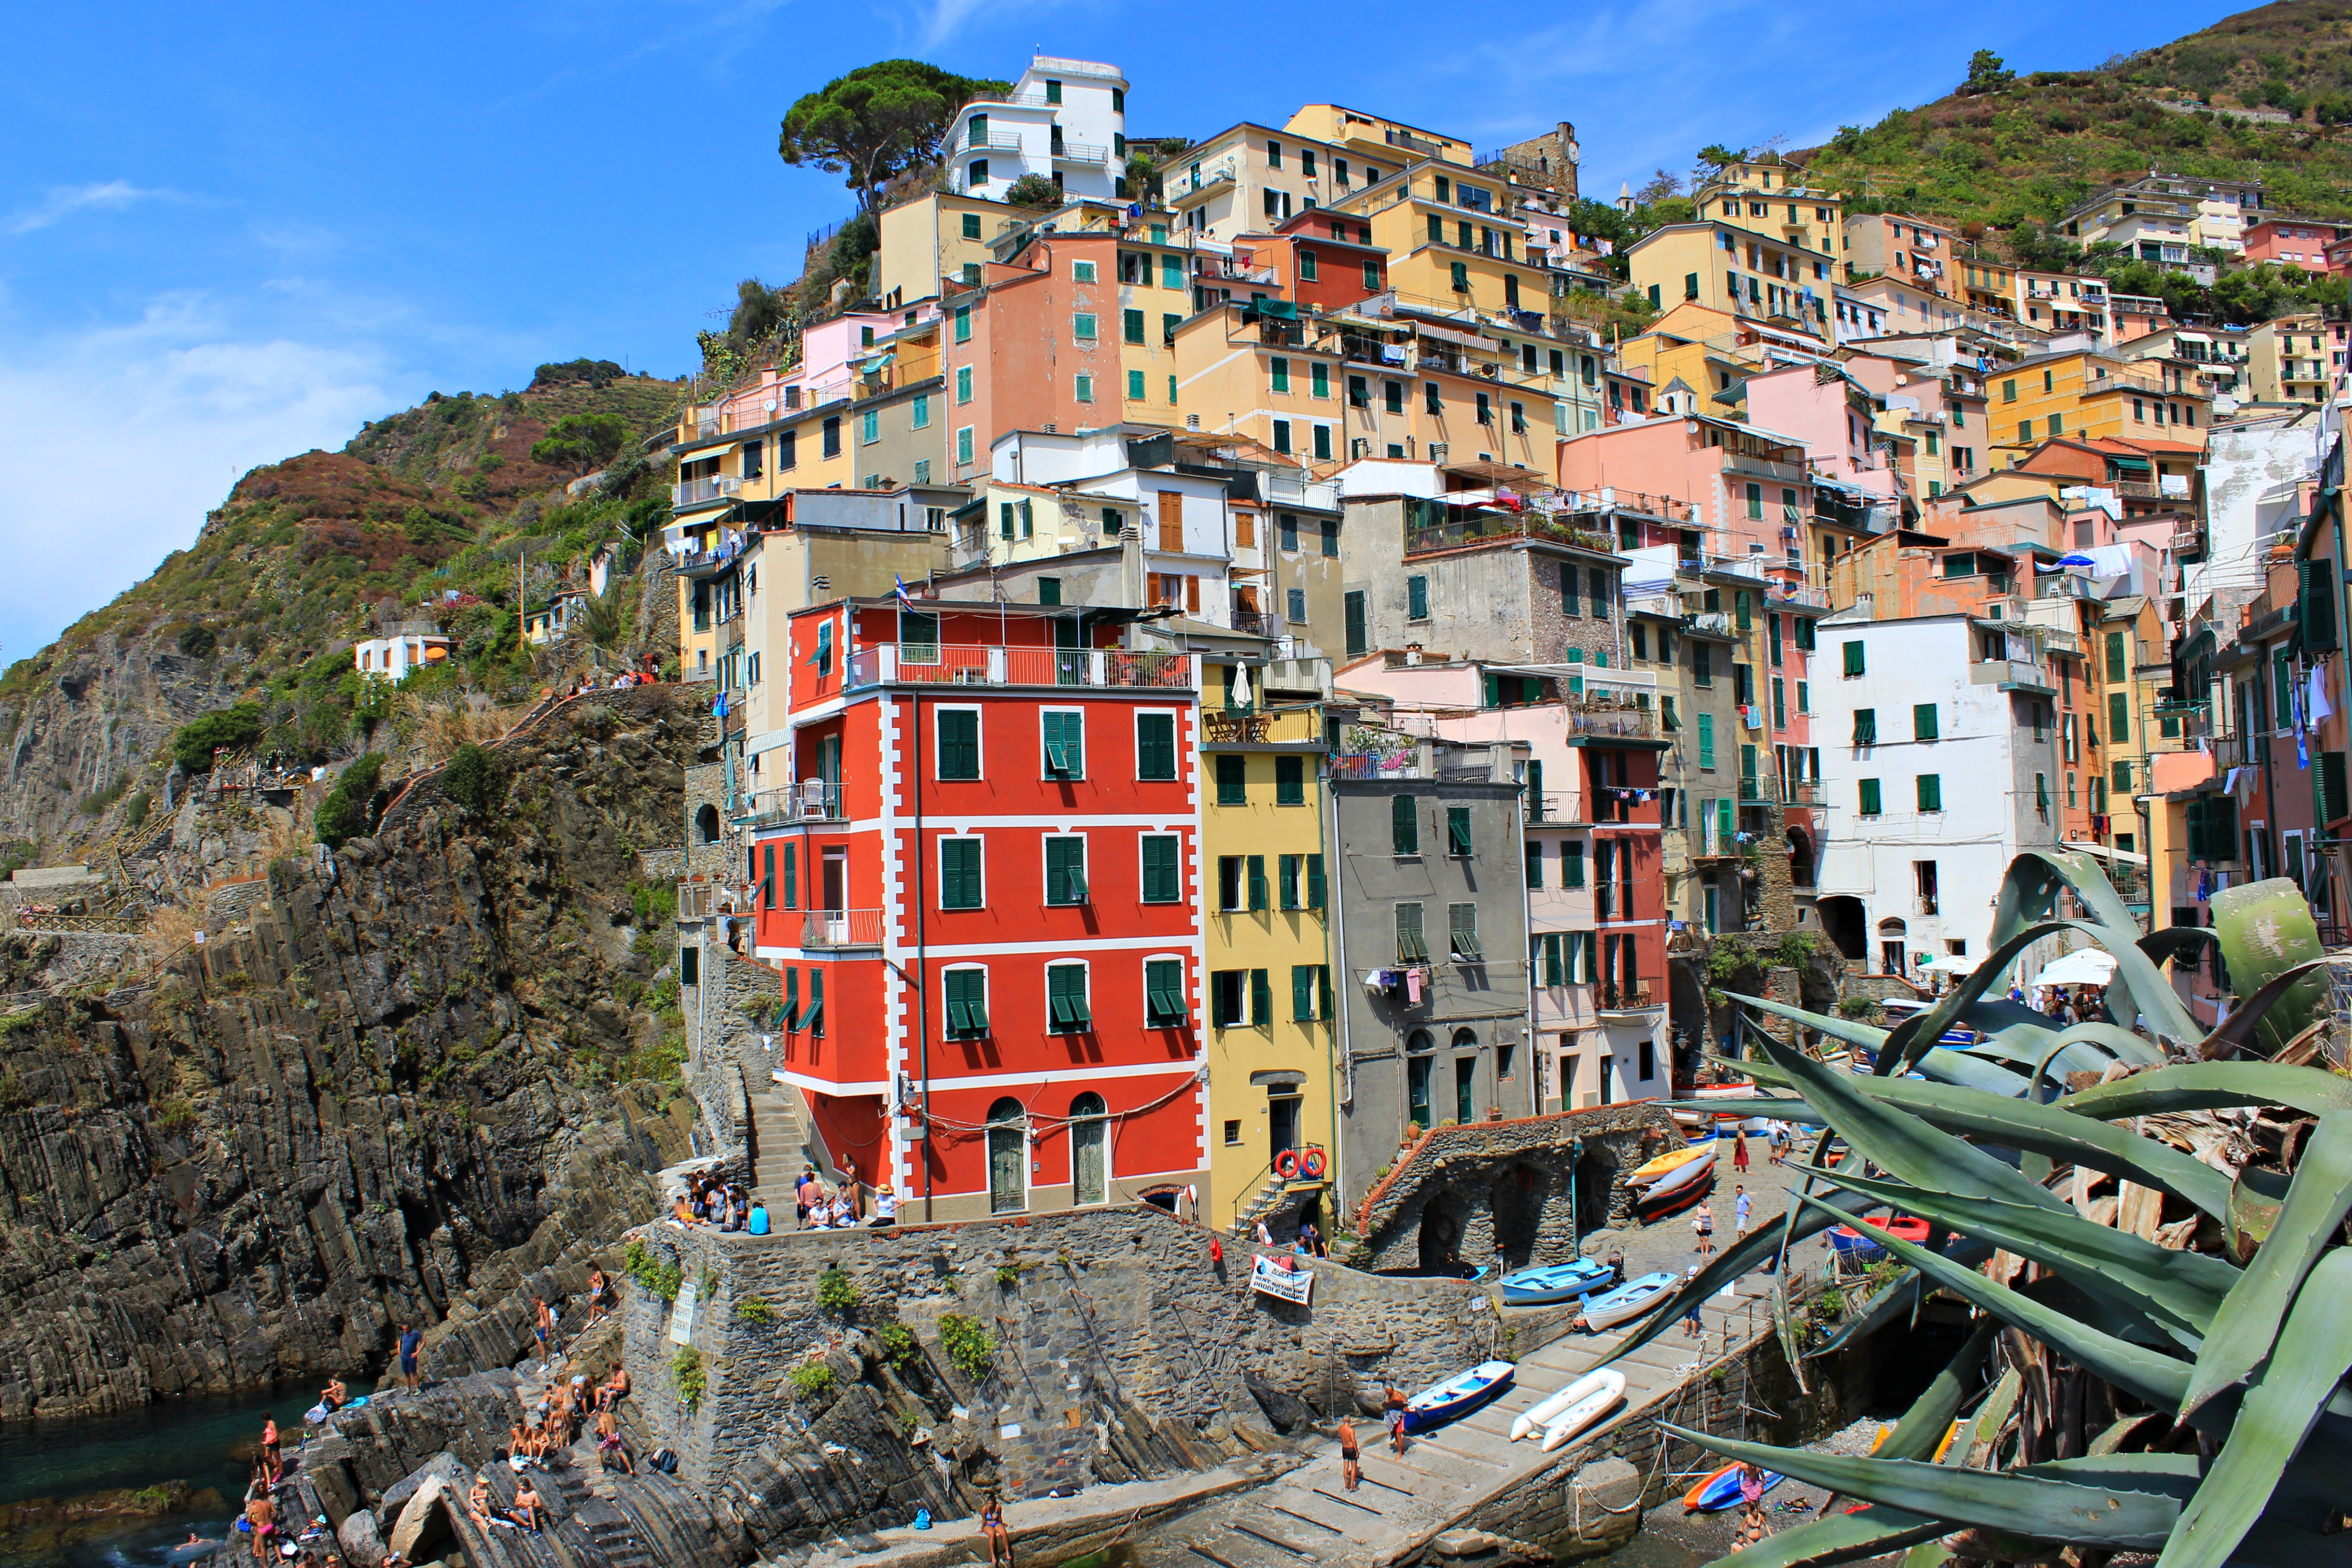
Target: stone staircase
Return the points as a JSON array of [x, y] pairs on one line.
[[780, 1139]]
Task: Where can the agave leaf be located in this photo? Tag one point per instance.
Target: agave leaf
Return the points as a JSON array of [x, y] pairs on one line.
[[1941, 1065], [2121, 1502], [2317, 1203], [1891, 1305], [2265, 929], [2146, 1374], [2314, 1352], [2002, 1122], [1837, 1538], [1992, 1416], [1739, 1257], [1847, 1029], [2031, 1046], [1931, 1414], [1911, 1037], [2178, 1292], [2211, 1085], [1904, 1145], [2234, 1031], [2029, 890]]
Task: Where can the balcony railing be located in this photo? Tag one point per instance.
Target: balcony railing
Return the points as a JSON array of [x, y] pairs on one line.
[[842, 928], [1502, 524], [1080, 152], [695, 492], [1402, 764], [1800, 792], [1257, 623], [1609, 719], [1547, 807], [808, 800], [1617, 998], [934, 664]]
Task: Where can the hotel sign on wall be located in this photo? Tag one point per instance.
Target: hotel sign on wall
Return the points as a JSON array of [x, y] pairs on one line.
[[1274, 1277]]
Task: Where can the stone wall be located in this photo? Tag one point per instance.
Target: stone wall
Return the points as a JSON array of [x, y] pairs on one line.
[[1121, 1350], [1518, 1192]]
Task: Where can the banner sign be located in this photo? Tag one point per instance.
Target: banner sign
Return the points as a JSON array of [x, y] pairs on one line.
[[1268, 1277]]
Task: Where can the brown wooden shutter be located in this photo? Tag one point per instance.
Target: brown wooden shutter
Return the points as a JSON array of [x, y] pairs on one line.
[[1193, 594], [1171, 521]]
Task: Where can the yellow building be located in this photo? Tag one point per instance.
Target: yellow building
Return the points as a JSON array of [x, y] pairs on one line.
[[2087, 394], [1772, 199], [1454, 240], [1738, 273], [938, 243], [1987, 286], [2287, 361], [1323, 391], [1370, 136], [1267, 949]]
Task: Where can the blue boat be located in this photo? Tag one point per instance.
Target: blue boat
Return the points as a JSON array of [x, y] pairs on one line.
[[1457, 1396], [1629, 1300], [1556, 1283], [1721, 1489]]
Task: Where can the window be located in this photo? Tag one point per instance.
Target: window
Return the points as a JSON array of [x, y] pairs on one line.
[[1600, 583], [1457, 830], [1319, 380], [1132, 325], [1282, 435], [1359, 635], [1082, 326], [963, 445], [977, 175], [1065, 748], [971, 220], [1322, 443], [1410, 947], [959, 879], [1155, 745], [1086, 388], [1404, 826], [1290, 781], [1163, 994], [832, 436], [1278, 370], [1066, 999], [958, 743], [1163, 880], [1327, 539], [1931, 791], [1923, 721], [2119, 718], [1571, 865], [963, 388], [964, 324], [1568, 579], [1462, 933], [1416, 597], [1311, 992], [1066, 868], [869, 427], [1233, 781], [967, 1000], [1706, 740], [1853, 658], [1866, 797]]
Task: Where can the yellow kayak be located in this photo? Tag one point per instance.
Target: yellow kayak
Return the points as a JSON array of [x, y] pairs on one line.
[[1674, 1160]]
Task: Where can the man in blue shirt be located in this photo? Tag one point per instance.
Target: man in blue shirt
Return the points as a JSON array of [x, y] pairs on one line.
[[409, 1340], [759, 1225]]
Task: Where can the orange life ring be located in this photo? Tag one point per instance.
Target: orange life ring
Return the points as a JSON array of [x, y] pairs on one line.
[[1312, 1164], [1286, 1164]]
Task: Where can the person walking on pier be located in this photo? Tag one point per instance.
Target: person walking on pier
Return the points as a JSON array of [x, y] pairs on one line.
[[1351, 1471]]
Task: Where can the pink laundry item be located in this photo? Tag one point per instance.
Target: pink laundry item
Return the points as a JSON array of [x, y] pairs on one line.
[[1412, 987]]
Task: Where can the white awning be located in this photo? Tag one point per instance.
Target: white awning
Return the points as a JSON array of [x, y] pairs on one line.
[[707, 452], [2104, 853]]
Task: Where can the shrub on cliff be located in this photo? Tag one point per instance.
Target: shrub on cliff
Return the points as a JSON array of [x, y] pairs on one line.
[[476, 779], [969, 1346], [224, 728], [350, 807]]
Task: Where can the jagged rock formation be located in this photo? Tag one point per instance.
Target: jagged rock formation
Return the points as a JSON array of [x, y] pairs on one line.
[[389, 1096]]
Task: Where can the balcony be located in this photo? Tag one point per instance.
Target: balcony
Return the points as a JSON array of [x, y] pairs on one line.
[[1800, 792], [1194, 189], [702, 492], [2012, 675], [1259, 622], [1080, 153], [1548, 808], [1609, 721], [1296, 724], [842, 928], [934, 664], [1632, 1004], [808, 800], [998, 142]]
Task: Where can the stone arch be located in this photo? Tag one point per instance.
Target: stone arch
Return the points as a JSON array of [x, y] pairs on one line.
[[1843, 920], [1440, 1238], [1517, 1201], [705, 823], [1801, 864]]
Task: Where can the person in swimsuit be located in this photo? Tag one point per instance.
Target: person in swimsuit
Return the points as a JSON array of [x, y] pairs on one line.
[[269, 1441], [1751, 1506], [262, 1514], [525, 1511], [992, 1525], [608, 1443], [1351, 1471], [478, 1501], [1392, 1413]]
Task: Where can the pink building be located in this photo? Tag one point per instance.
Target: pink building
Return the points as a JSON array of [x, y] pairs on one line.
[[2294, 242]]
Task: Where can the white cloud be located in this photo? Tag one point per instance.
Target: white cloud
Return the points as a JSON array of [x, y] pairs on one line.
[[132, 430], [63, 201]]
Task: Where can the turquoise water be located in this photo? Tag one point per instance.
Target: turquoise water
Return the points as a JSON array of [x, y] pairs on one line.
[[207, 1442]]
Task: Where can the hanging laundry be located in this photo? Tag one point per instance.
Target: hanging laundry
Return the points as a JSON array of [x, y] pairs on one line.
[[1412, 987], [2315, 704]]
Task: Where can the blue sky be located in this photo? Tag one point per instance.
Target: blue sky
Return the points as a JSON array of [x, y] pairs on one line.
[[229, 234]]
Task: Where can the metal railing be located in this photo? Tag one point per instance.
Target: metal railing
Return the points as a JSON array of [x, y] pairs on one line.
[[1626, 722], [1080, 153], [1505, 525], [1800, 792], [807, 800], [1547, 807], [694, 492], [842, 928], [938, 664], [1620, 999], [1257, 623]]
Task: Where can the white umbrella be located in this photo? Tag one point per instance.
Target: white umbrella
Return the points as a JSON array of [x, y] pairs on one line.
[[2084, 966], [1952, 964]]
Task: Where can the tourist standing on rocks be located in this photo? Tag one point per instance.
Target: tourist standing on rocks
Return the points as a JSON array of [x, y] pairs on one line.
[[598, 1287], [262, 1515], [542, 1323], [992, 1525], [410, 1338], [1351, 1471], [269, 1441], [608, 1443]]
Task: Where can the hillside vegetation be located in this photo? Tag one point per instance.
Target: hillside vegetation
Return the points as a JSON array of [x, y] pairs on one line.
[[2007, 152]]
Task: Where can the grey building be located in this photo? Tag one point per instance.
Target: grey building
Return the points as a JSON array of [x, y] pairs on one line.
[[1431, 933], [1479, 583]]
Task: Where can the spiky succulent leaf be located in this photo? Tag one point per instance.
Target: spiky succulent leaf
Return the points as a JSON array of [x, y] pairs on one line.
[[1913, 1036], [1838, 1538], [1922, 1428], [2120, 1501], [2234, 1033], [1904, 1145], [2317, 1203], [2176, 1292], [2211, 1085], [2029, 889], [2265, 929], [2160, 1379], [1891, 1305], [2314, 1352]]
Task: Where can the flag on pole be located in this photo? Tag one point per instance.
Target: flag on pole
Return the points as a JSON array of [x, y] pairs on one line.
[[901, 593]]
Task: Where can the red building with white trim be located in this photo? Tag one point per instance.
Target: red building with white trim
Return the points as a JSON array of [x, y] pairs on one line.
[[981, 892]]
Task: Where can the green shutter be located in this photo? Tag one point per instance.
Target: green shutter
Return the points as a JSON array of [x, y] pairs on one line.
[[792, 877], [1554, 971], [1727, 822], [1133, 322], [1457, 830], [1780, 703], [1315, 881], [1571, 865], [1409, 943], [1535, 859], [1416, 593], [1261, 998], [1865, 726], [1163, 993], [2121, 773], [958, 744], [960, 873], [1065, 997], [1066, 868], [1257, 882], [1931, 791], [2118, 719], [2335, 800], [814, 1019], [1866, 801], [2116, 671], [1233, 781], [1359, 635], [1853, 658], [1923, 721], [1066, 745], [1290, 781], [1404, 826], [1288, 871], [1162, 877], [1155, 746], [1741, 606], [792, 1015], [1706, 740], [2315, 604], [1302, 993]]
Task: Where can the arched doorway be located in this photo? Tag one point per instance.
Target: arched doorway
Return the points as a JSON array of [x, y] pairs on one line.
[[1466, 1076], [1894, 953], [1842, 920], [1089, 1150], [706, 825], [1418, 1065], [1008, 1157], [1517, 1202], [1801, 858], [1441, 1241]]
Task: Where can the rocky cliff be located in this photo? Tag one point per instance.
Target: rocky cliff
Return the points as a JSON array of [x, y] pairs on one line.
[[418, 1070]]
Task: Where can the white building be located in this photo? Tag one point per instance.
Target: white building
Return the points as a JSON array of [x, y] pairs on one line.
[[1066, 119], [1939, 763], [400, 650]]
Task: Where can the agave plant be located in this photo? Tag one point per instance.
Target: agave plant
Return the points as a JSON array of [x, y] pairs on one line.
[[2172, 1357]]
